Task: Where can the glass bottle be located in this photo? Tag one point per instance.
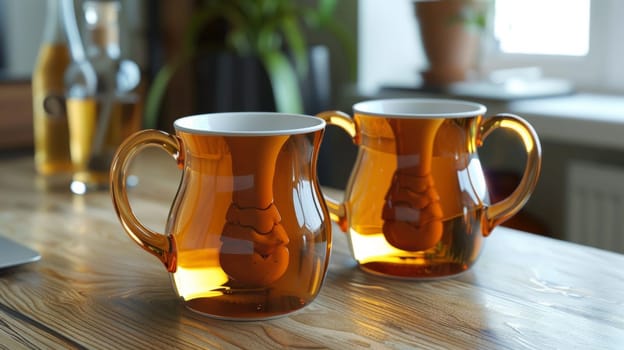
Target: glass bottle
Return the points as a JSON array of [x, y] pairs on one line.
[[102, 103], [49, 114]]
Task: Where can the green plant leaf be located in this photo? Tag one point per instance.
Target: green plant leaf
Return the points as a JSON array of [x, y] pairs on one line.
[[283, 81], [296, 43], [345, 40], [155, 95], [325, 9], [322, 18], [257, 27]]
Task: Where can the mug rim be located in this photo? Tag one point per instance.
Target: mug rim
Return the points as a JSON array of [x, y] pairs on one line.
[[417, 109], [248, 124]]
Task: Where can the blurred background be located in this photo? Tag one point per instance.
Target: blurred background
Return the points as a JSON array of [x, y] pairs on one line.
[[555, 62]]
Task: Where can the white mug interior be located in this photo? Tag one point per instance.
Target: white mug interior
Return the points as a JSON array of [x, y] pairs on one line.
[[249, 124], [420, 108]]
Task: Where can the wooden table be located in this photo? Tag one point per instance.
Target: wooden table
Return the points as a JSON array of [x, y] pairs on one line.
[[94, 288]]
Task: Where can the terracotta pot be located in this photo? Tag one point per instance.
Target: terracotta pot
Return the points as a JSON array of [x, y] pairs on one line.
[[450, 44]]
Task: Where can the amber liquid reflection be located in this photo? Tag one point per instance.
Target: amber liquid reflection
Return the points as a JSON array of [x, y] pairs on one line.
[[455, 186], [50, 120], [274, 259], [455, 252], [83, 116]]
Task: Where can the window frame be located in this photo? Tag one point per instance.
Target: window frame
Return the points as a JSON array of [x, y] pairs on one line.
[[586, 71]]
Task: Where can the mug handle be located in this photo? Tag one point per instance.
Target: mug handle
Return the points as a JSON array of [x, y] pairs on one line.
[[157, 244], [337, 210], [500, 211]]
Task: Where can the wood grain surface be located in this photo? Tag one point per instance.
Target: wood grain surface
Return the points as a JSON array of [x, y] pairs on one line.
[[95, 289]]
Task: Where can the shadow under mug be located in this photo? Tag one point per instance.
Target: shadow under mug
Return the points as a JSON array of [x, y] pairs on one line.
[[416, 204], [248, 234]]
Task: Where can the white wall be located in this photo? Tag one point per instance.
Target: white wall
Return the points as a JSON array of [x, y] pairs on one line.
[[613, 73], [389, 51], [24, 29]]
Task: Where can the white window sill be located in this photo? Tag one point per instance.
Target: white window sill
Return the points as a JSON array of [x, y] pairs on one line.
[[583, 118], [588, 119]]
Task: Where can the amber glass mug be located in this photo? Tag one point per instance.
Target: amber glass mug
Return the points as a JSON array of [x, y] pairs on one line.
[[417, 204], [248, 234]]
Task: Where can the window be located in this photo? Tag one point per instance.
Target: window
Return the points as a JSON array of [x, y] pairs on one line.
[[529, 27], [577, 40]]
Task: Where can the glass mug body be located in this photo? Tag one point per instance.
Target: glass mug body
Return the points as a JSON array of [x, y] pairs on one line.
[[248, 234], [417, 204]]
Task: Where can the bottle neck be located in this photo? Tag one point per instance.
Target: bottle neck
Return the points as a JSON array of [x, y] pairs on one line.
[[102, 28], [54, 27], [103, 41]]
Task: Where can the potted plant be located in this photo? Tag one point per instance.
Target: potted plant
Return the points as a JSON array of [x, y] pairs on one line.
[[269, 31], [450, 31]]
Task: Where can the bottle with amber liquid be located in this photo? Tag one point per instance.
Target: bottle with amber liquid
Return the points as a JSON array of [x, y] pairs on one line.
[[49, 114], [103, 106]]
